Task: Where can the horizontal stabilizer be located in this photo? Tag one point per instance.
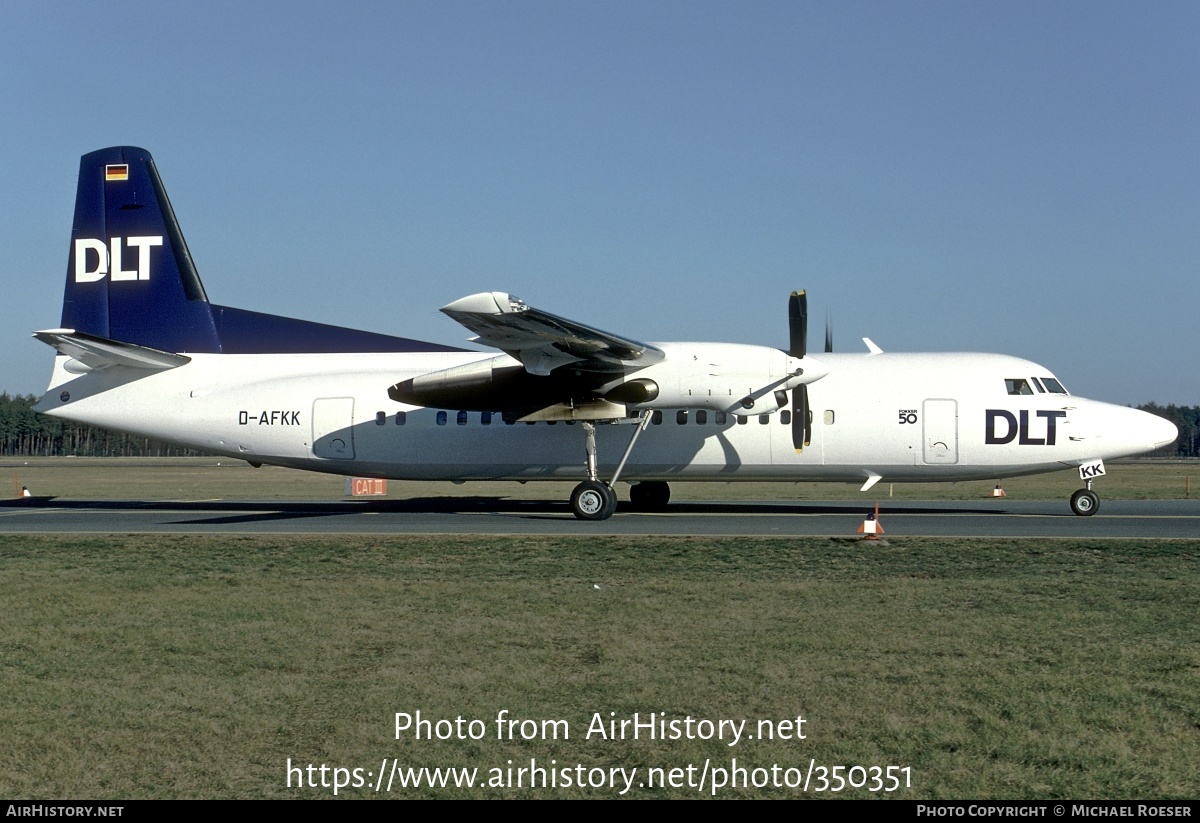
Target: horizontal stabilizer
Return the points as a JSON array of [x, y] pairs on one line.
[[98, 352]]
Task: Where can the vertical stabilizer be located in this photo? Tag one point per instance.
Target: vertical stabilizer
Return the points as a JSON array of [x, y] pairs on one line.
[[129, 275]]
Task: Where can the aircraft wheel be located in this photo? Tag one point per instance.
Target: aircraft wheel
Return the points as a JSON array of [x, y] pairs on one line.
[[611, 508], [593, 500], [650, 495], [1085, 503]]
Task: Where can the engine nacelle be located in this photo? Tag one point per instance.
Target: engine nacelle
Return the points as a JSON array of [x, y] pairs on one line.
[[733, 378]]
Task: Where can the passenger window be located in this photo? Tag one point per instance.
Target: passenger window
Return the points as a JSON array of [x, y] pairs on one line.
[[401, 418], [656, 418], [741, 419], [719, 418], [701, 417], [785, 417], [1018, 385], [380, 418], [764, 419], [681, 417], [462, 418], [829, 417], [485, 418], [441, 418]]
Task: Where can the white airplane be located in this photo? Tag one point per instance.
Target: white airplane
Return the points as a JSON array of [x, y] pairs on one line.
[[142, 350]]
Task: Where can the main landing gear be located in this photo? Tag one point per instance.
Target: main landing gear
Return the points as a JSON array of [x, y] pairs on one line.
[[650, 496], [593, 499]]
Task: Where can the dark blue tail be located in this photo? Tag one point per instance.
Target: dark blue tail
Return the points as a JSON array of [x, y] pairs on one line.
[[131, 278]]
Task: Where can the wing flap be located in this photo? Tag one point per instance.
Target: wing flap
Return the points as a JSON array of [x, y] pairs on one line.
[[100, 352]]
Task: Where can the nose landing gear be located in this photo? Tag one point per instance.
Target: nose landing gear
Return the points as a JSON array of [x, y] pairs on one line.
[[1085, 502]]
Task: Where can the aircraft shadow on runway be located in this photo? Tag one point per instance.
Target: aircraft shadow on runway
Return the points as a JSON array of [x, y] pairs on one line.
[[228, 512]]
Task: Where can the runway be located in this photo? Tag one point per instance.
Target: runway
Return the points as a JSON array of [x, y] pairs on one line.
[[1157, 519]]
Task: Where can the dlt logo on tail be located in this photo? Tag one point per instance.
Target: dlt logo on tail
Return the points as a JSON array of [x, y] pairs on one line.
[[104, 257]]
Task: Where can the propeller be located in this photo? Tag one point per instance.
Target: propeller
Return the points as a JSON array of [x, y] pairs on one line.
[[798, 324], [798, 347]]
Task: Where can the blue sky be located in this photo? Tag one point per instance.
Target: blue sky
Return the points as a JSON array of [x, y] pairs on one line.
[[1014, 177]]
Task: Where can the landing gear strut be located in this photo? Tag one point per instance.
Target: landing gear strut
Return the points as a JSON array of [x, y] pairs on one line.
[[593, 499]]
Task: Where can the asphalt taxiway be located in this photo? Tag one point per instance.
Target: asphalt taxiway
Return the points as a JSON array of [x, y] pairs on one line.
[[1151, 519]]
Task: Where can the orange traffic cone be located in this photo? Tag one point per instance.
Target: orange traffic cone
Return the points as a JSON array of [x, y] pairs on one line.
[[871, 528]]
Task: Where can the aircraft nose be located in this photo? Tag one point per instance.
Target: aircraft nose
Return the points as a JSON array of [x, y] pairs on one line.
[[1121, 431], [1157, 431]]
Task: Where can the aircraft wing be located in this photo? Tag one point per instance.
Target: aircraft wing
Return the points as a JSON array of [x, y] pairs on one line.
[[99, 352], [542, 341]]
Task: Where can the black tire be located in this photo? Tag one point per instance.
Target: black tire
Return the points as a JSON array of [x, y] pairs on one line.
[[612, 501], [650, 495], [593, 500], [1085, 503]]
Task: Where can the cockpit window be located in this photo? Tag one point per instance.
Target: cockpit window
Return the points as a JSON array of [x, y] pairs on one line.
[[1017, 385], [1053, 386]]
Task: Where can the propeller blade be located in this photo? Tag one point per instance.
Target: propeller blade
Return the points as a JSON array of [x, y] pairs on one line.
[[798, 323], [828, 333], [801, 428], [798, 330]]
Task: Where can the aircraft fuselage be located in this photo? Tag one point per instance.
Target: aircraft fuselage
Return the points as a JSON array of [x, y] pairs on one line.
[[904, 417]]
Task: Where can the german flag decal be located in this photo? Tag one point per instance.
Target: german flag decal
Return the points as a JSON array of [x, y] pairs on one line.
[[120, 172]]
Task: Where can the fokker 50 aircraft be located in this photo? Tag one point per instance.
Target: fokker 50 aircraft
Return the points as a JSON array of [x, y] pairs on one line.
[[142, 350]]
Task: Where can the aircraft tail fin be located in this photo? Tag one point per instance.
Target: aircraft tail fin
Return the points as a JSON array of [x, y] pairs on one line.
[[130, 277], [131, 280]]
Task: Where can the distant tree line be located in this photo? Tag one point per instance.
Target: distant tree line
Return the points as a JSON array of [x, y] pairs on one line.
[[25, 433]]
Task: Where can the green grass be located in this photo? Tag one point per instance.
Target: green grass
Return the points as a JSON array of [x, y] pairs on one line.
[[197, 666]]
